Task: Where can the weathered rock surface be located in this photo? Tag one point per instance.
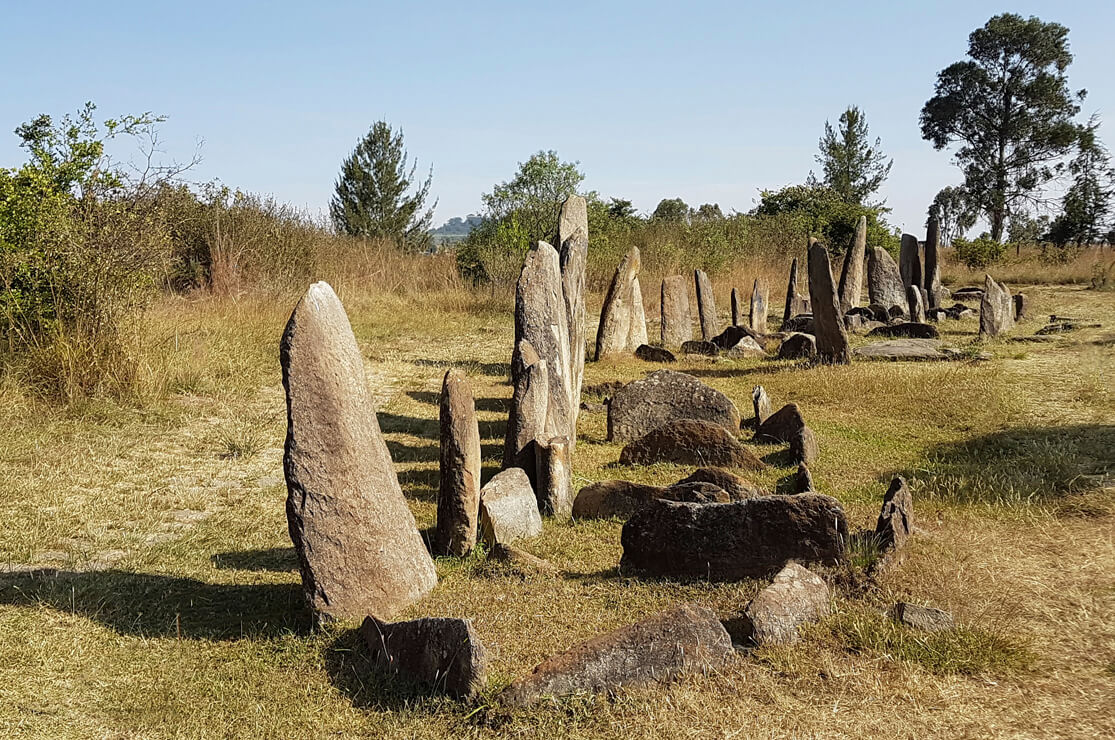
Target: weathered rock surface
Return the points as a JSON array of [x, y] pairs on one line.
[[530, 402], [759, 302], [522, 561], [662, 396], [793, 302], [922, 617], [744, 539], [911, 350], [915, 304], [737, 314], [1020, 305], [996, 310], [760, 404], [828, 321], [733, 335], [896, 518], [932, 277], [647, 353], [700, 347], [884, 281], [798, 346], [623, 325], [744, 348], [797, 596], [907, 330], [800, 323], [358, 547], [736, 487], [706, 306], [440, 652], [657, 650], [804, 447], [458, 501], [851, 275], [909, 261], [620, 498], [968, 294], [677, 319], [508, 509], [803, 480], [554, 476], [782, 425], [690, 442], [573, 254]]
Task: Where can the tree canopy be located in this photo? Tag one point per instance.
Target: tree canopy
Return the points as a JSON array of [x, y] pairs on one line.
[[854, 167]]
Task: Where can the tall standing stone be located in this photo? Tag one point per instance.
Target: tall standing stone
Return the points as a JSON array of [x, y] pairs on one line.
[[916, 303], [791, 293], [706, 306], [542, 320], [737, 314], [884, 281], [828, 322], [554, 477], [909, 261], [530, 402], [851, 275], [458, 500], [573, 253], [932, 276], [996, 310], [358, 547], [623, 324], [758, 318], [677, 319]]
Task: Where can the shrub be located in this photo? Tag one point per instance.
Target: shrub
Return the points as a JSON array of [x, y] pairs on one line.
[[979, 253]]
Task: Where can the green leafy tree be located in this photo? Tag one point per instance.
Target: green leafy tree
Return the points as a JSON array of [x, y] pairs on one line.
[[621, 208], [373, 195], [1086, 208], [821, 212], [854, 167], [1009, 108], [534, 196], [674, 210], [954, 213], [709, 212]]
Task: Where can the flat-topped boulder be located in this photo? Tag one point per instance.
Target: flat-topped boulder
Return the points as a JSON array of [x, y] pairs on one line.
[[690, 442], [700, 347], [441, 653], [798, 346], [647, 353], [909, 350], [797, 596], [662, 396], [723, 542], [620, 498], [906, 329], [508, 509]]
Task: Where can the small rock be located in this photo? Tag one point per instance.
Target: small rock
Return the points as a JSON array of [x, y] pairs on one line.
[[737, 488], [760, 402], [746, 347], [906, 329], [700, 347], [782, 425], [795, 597], [594, 408], [690, 442], [522, 561], [798, 346], [508, 509], [646, 353], [922, 617], [896, 519], [803, 480], [440, 652], [685, 639], [803, 446]]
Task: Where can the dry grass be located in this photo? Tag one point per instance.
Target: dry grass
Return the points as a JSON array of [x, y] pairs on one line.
[[152, 592]]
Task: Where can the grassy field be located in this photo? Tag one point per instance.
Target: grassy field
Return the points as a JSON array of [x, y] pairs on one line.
[[148, 587]]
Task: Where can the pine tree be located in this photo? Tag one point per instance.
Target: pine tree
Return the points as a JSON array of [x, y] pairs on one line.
[[373, 197], [1086, 207], [853, 167]]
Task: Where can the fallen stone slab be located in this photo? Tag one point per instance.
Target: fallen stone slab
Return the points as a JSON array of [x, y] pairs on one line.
[[442, 653], [922, 617], [906, 329], [690, 442], [797, 596], [656, 650], [782, 425], [522, 561], [620, 498], [647, 353], [726, 542], [736, 487], [798, 346], [1065, 326], [508, 509], [663, 396], [968, 294], [799, 323], [911, 350]]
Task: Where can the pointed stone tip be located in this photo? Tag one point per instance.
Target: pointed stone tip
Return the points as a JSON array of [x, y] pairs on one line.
[[321, 292]]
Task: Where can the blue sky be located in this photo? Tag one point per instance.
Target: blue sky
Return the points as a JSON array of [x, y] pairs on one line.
[[709, 101]]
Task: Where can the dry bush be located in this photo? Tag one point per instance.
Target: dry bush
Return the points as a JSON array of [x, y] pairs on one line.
[[1033, 266]]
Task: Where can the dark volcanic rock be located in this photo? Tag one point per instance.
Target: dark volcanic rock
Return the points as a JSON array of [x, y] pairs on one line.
[[737, 488], [439, 652], [795, 597], [896, 519], [684, 639], [803, 446], [700, 347], [798, 346], [803, 480], [732, 335], [664, 395], [745, 539], [690, 442], [654, 354], [782, 425], [907, 330], [909, 261], [800, 323]]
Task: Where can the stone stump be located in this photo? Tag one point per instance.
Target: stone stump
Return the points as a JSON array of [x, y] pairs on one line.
[[916, 304], [706, 306], [884, 281], [677, 319], [458, 501], [758, 316]]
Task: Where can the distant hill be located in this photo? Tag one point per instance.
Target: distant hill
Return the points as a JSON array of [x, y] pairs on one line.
[[456, 228]]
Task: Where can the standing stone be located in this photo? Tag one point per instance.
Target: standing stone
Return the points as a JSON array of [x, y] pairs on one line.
[[508, 509], [529, 405], [737, 315], [706, 306], [1019, 306], [828, 322], [803, 447], [795, 597], [623, 324], [573, 249], [541, 319], [358, 547], [896, 518], [792, 304], [996, 310], [932, 274], [554, 477], [851, 275], [916, 304], [662, 396], [909, 261], [783, 425], [685, 639], [677, 320], [760, 401], [884, 282], [458, 500], [803, 480], [744, 539], [443, 653], [759, 307]]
